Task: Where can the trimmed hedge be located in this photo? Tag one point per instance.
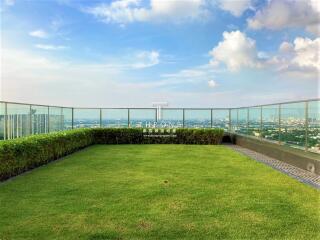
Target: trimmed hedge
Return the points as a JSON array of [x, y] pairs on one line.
[[22, 154], [118, 135]]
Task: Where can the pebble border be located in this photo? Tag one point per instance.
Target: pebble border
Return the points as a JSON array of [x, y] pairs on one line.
[[301, 175]]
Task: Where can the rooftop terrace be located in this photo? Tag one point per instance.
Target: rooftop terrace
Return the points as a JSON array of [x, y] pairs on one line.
[[160, 191]]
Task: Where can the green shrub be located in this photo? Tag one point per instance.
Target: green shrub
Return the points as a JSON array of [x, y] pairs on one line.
[[118, 135], [22, 154], [199, 136]]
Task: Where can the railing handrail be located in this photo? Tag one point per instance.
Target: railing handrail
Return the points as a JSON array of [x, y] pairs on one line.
[[170, 108]]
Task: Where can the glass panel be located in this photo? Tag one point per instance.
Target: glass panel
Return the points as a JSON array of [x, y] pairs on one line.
[[86, 118], [2, 116], [39, 117], [18, 120], [115, 118], [170, 118], [234, 120], [270, 122], [314, 126], [242, 121], [293, 124], [254, 122], [55, 119], [220, 119], [67, 118], [142, 117], [197, 118]]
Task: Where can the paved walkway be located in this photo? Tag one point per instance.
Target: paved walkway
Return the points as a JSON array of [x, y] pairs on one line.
[[295, 172]]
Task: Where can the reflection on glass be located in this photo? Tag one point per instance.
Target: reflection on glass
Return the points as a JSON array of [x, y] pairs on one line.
[[86, 118], [2, 123], [18, 120], [254, 121], [55, 119], [242, 121], [170, 118], [270, 122], [145, 118], [220, 119], [67, 118], [234, 120], [115, 118], [313, 141], [39, 118], [292, 129], [197, 118]]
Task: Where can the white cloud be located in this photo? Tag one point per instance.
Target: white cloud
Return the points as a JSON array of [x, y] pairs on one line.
[[212, 83], [288, 13], [286, 47], [196, 76], [50, 47], [28, 77], [299, 59], [236, 8], [38, 33], [128, 11], [236, 51], [146, 59]]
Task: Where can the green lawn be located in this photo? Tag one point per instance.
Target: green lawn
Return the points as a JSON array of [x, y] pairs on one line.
[[157, 192]]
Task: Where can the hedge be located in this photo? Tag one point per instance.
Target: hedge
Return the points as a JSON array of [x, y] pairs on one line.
[[22, 154]]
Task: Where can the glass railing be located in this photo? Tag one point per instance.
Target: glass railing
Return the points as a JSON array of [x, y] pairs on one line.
[[296, 124]]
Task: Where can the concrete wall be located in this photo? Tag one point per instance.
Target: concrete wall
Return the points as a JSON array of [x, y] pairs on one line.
[[305, 160]]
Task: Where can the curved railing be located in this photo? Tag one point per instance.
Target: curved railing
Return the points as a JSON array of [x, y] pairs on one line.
[[292, 123]]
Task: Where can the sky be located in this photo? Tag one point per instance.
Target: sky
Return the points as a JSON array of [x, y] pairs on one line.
[[130, 53]]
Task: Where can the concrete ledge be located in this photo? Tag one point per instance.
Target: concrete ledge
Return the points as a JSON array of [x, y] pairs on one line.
[[299, 158]]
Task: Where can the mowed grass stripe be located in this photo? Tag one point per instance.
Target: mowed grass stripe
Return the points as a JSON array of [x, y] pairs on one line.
[[157, 192]]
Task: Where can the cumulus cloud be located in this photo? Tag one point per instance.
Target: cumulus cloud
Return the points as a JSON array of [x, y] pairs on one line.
[[236, 8], [235, 51], [288, 13], [146, 59], [128, 11], [300, 58], [50, 47], [38, 33]]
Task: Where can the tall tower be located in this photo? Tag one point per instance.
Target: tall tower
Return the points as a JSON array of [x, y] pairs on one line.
[[159, 106]]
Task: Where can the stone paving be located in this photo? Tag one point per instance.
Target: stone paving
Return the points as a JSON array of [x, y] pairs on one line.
[[301, 175]]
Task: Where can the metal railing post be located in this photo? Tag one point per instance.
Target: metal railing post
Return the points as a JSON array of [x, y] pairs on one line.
[[211, 120], [100, 117], [5, 121], [230, 124], [128, 117], [279, 123], [72, 118], [261, 122], [306, 124], [237, 119], [248, 117], [183, 116], [30, 119], [48, 119], [157, 114]]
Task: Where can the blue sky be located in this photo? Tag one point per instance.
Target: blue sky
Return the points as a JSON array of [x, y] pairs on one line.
[[191, 53]]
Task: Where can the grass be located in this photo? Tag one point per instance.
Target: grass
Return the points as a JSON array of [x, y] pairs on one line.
[[157, 192]]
